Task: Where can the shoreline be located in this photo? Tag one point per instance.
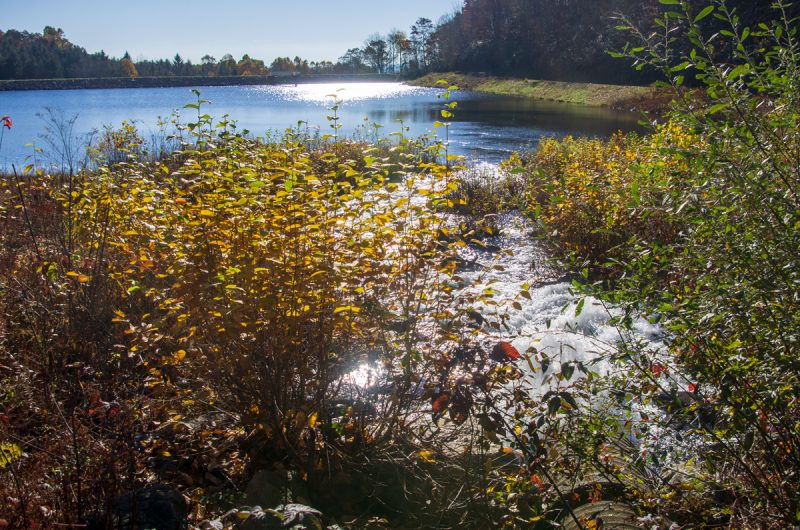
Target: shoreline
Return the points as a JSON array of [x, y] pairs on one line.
[[618, 97], [187, 81]]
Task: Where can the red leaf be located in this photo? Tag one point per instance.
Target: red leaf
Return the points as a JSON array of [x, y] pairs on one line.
[[440, 402], [504, 352], [658, 368], [692, 388], [6, 122]]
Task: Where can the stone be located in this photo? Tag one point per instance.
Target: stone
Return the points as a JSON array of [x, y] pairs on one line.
[[266, 488], [157, 507]]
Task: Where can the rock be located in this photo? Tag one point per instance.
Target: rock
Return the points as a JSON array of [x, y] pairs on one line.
[[266, 488], [156, 507]]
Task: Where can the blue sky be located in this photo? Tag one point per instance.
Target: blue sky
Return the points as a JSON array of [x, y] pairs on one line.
[[265, 29]]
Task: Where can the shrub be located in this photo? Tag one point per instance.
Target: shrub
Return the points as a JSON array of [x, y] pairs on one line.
[[595, 196], [175, 320], [715, 413]]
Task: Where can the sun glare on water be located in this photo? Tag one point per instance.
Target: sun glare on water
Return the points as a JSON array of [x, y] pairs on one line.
[[324, 92]]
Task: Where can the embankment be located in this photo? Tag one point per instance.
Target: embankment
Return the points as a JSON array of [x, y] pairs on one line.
[[590, 94], [162, 82]]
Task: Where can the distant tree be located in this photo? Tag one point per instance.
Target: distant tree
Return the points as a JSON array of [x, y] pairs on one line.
[[282, 64], [55, 36], [322, 67], [208, 64], [352, 61], [376, 53], [250, 66], [128, 67], [177, 64], [227, 65], [395, 40], [301, 65], [421, 35]]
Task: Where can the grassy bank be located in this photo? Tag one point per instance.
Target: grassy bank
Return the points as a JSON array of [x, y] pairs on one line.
[[590, 94]]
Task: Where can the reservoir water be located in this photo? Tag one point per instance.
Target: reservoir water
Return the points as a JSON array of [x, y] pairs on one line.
[[485, 127]]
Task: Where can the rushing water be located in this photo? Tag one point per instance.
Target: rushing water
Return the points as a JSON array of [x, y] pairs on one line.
[[485, 127]]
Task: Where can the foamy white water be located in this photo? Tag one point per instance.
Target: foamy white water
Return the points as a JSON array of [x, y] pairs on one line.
[[548, 319]]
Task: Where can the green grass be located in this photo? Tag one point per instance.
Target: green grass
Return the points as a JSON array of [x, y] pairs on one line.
[[589, 94]]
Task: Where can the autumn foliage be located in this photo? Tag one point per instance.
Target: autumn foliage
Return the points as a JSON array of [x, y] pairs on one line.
[[180, 319]]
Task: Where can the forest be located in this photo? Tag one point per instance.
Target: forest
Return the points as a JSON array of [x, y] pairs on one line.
[[566, 40]]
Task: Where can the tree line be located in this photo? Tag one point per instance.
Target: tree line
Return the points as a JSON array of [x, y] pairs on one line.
[[565, 40], [49, 55]]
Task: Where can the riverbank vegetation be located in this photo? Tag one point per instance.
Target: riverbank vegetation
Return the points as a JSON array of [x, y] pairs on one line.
[[697, 226], [283, 332], [237, 310], [589, 94]]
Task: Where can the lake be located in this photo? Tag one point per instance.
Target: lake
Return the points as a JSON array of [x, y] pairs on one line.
[[485, 127]]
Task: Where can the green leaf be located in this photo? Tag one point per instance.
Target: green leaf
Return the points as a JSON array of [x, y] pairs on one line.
[[704, 13], [567, 370], [579, 307], [554, 404], [566, 396], [680, 67]]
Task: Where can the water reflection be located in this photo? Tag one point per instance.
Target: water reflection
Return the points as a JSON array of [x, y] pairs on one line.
[[325, 93], [485, 127]]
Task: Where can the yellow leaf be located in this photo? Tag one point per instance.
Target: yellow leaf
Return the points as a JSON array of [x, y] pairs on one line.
[[206, 213], [427, 456], [9, 453], [349, 308]]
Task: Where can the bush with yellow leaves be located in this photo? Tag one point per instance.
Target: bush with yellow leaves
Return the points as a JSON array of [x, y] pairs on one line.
[[593, 195]]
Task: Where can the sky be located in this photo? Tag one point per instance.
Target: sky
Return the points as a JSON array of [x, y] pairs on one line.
[[155, 29]]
